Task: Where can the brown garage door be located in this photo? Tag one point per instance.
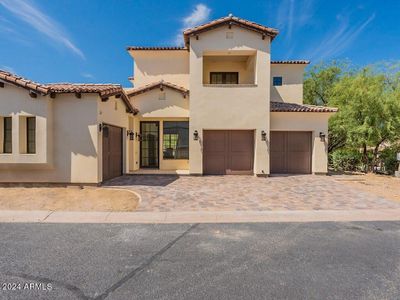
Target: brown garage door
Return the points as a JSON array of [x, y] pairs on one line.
[[112, 152], [228, 152], [290, 152]]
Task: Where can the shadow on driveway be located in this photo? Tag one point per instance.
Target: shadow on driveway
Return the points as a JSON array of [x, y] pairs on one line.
[[142, 180]]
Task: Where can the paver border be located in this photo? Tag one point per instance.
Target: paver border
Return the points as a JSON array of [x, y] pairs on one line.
[[180, 217]]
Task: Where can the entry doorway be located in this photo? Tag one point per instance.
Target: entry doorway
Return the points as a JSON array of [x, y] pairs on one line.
[[149, 144], [112, 152]]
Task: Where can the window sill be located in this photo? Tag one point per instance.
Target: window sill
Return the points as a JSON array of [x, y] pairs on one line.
[[175, 158], [230, 85]]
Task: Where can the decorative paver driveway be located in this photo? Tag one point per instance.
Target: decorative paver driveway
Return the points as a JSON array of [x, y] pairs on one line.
[[227, 193]]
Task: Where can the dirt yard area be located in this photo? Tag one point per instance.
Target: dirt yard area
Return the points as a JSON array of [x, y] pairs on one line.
[[67, 199], [380, 185]]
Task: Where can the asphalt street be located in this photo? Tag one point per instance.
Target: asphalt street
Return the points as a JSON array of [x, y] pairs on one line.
[[357, 260]]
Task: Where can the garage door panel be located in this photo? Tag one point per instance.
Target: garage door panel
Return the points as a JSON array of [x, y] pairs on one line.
[[290, 152], [214, 141], [298, 142], [215, 164], [228, 151], [277, 163], [278, 141], [241, 141], [239, 162], [299, 162]]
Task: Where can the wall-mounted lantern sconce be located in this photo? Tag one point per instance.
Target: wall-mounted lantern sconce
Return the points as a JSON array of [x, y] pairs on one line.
[[263, 135], [131, 134], [195, 135], [100, 127], [322, 136]]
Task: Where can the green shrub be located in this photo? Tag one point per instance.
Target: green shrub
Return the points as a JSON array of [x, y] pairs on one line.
[[388, 157], [346, 160]]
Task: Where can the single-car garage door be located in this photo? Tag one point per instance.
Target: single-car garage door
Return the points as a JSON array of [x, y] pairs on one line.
[[228, 152], [112, 152], [290, 152]]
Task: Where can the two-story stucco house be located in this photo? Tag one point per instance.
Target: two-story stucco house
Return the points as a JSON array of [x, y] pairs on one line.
[[217, 105]]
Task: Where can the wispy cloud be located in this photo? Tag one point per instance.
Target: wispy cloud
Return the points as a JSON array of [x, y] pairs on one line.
[[287, 19], [338, 41], [200, 14], [27, 12], [87, 75], [8, 69]]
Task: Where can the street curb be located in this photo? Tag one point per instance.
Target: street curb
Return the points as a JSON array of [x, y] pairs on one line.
[[180, 217]]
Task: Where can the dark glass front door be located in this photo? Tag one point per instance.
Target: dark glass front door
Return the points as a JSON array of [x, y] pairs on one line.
[[149, 144]]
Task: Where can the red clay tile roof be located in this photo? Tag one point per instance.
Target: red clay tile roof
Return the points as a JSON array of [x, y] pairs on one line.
[[230, 20], [159, 84], [293, 107], [22, 82], [295, 62], [139, 48], [104, 90]]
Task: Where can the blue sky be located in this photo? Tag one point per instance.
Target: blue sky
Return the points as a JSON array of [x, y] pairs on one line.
[[85, 40]]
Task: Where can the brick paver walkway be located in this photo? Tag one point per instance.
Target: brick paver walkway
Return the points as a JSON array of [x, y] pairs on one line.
[[228, 193]]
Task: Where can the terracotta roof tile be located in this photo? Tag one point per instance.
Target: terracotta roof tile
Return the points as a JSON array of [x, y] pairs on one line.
[[104, 90], [295, 62], [158, 84], [230, 20], [293, 107], [22, 82]]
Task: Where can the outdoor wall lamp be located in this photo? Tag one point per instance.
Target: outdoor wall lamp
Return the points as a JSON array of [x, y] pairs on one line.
[[131, 134], [322, 136], [195, 135], [263, 135], [103, 127]]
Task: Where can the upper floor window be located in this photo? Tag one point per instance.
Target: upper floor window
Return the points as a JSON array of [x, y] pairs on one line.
[[224, 77], [277, 80], [31, 135], [176, 140], [7, 135]]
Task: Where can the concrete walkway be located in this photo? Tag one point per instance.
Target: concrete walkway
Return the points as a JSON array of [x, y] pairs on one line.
[[200, 216]]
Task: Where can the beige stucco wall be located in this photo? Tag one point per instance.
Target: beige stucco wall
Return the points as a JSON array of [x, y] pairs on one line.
[[70, 137], [313, 122], [292, 83], [149, 105], [239, 107], [16, 103], [152, 66]]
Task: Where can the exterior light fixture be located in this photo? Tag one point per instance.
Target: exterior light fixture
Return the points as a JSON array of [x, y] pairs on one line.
[[131, 134], [100, 127], [322, 136], [263, 135], [195, 135]]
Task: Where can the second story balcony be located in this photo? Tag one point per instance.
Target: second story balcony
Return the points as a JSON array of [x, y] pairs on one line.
[[229, 69]]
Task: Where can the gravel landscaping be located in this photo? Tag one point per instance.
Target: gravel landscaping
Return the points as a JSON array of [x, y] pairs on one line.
[[67, 199]]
